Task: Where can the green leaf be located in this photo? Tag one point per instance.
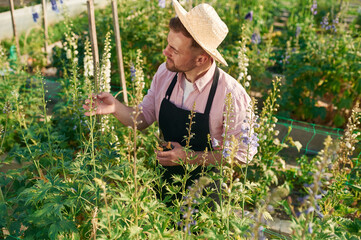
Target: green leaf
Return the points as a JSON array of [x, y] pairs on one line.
[[134, 230], [339, 120], [3, 214], [61, 227]]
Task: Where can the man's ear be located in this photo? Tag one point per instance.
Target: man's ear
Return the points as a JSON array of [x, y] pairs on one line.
[[202, 58]]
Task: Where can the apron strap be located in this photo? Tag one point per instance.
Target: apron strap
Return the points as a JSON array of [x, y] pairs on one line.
[[212, 91], [171, 86]]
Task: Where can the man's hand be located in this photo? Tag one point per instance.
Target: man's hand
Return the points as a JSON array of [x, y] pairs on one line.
[[172, 157], [103, 103]]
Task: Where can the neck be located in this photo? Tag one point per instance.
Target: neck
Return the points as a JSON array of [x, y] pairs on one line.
[[197, 72]]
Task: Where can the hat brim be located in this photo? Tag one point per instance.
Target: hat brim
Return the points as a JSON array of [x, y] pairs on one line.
[[181, 13]]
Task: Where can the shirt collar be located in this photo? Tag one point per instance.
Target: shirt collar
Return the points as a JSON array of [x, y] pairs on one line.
[[202, 82]]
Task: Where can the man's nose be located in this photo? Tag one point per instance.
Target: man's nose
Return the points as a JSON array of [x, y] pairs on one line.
[[166, 51]]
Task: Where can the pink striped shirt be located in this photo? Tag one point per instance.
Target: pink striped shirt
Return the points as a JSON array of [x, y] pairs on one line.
[[226, 84]]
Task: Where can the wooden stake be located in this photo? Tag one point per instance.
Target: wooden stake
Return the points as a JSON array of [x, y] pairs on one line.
[[94, 42], [46, 36], [11, 3], [119, 51]]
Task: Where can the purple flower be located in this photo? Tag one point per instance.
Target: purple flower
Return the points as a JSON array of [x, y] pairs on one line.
[[261, 233], [309, 210], [314, 7], [61, 1], [226, 153], [35, 16], [54, 7], [246, 140], [310, 230], [256, 38], [308, 185], [249, 16], [226, 150], [303, 199], [324, 23], [215, 143], [318, 196], [161, 3], [334, 23], [132, 72], [245, 129], [255, 139], [320, 215]]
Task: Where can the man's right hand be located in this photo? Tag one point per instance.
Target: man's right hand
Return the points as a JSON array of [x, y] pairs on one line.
[[103, 103]]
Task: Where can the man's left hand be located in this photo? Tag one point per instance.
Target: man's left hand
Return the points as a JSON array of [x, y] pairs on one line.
[[172, 157]]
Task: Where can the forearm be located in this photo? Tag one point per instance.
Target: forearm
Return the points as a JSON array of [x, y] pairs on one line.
[[126, 115]]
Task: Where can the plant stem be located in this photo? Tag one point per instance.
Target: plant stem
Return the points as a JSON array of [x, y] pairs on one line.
[[46, 119], [5, 128], [135, 127]]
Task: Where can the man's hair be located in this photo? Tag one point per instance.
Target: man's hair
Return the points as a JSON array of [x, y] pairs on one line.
[[176, 25]]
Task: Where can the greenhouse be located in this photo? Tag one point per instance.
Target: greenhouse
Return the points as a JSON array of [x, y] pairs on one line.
[[180, 119]]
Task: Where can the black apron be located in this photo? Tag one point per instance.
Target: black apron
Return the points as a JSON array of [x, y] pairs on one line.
[[174, 121]]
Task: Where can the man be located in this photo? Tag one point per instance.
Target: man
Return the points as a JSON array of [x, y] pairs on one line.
[[189, 78]]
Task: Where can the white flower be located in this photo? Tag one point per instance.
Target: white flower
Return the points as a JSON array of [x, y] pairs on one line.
[[246, 84], [68, 54]]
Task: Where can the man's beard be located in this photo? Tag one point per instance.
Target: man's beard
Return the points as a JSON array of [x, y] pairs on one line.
[[171, 66]]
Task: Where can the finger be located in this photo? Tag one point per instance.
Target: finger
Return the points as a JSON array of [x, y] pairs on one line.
[[86, 107], [88, 114], [102, 95], [176, 144], [93, 96], [166, 162]]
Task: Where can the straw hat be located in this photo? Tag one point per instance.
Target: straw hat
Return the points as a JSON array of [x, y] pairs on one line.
[[205, 26]]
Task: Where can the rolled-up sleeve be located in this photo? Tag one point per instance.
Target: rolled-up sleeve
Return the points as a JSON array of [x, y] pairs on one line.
[[238, 121], [241, 125], [148, 103]]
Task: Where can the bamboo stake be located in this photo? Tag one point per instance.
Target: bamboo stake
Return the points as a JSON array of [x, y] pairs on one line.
[[11, 3], [46, 36], [119, 51], [94, 42]]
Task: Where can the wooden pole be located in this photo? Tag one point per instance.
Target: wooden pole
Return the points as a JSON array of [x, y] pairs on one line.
[[46, 36], [94, 42], [119, 51], [11, 3]]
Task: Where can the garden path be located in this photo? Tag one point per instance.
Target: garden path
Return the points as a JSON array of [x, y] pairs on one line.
[[24, 19]]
